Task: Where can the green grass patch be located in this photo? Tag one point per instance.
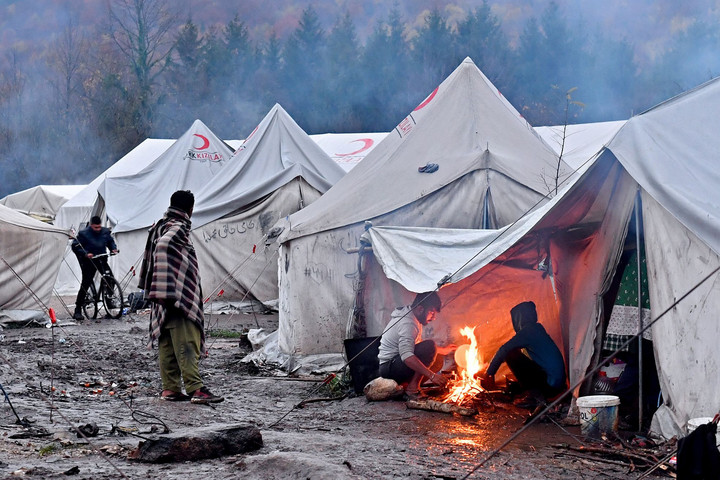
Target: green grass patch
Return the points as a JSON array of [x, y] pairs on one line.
[[48, 449], [224, 334]]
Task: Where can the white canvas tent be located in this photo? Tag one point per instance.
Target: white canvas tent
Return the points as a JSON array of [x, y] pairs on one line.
[[492, 167], [133, 203], [563, 256], [31, 250], [76, 212], [276, 172], [41, 202]]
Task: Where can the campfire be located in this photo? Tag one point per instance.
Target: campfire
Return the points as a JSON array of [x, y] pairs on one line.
[[465, 394], [466, 384]]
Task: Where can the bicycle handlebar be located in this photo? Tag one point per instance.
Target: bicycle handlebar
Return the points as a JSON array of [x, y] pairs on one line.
[[107, 254]]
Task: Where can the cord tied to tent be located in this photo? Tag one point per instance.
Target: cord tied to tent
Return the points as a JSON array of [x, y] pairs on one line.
[[444, 280]]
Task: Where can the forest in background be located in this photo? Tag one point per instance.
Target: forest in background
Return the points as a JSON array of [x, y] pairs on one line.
[[72, 106]]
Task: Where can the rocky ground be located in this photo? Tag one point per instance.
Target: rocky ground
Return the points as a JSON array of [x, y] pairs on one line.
[[99, 374]]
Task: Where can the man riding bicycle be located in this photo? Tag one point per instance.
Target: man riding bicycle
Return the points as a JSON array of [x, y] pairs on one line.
[[91, 241]]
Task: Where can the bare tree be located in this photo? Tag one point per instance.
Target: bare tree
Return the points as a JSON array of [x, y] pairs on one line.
[[68, 57], [142, 30]]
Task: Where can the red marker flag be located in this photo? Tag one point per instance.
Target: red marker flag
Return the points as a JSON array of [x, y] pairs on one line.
[[53, 319]]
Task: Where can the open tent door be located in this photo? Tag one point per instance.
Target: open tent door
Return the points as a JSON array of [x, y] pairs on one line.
[[562, 257]]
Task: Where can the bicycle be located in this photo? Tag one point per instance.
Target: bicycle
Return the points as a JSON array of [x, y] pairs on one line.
[[109, 293]]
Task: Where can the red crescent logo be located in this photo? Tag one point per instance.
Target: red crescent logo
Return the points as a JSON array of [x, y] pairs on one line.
[[427, 100], [206, 142], [367, 143]]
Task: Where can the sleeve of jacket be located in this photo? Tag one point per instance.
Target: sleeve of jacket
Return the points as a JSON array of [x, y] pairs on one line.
[[518, 341], [110, 241]]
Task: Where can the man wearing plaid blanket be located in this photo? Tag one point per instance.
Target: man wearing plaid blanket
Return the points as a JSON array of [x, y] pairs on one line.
[[170, 276]]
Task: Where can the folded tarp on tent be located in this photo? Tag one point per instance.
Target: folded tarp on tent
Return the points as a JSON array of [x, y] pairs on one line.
[[31, 254]]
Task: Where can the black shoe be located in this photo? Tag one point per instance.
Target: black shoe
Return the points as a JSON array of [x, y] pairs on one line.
[[78, 316], [203, 396]]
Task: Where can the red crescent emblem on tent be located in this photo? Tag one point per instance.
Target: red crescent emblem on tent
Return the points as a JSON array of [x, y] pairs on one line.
[[367, 143], [206, 142], [427, 100]]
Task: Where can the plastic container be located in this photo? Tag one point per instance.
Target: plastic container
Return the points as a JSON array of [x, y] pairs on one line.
[[693, 423], [598, 415]]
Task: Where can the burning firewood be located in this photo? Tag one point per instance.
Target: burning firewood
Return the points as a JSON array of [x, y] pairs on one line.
[[435, 406]]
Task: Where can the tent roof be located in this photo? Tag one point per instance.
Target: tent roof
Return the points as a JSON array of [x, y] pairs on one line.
[[277, 151], [138, 200], [347, 149], [462, 126], [41, 200], [672, 150], [580, 142]]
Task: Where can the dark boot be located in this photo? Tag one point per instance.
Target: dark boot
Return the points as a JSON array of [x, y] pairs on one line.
[[79, 302]]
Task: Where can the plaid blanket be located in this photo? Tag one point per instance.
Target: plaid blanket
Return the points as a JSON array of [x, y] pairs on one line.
[[169, 273]]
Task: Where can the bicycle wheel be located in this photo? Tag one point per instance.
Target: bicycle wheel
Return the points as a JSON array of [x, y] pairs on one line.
[[90, 307], [112, 296]]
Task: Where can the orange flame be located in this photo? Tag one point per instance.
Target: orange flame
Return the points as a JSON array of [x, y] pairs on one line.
[[467, 357]]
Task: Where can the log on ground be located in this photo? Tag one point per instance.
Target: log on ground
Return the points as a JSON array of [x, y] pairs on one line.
[[199, 444]]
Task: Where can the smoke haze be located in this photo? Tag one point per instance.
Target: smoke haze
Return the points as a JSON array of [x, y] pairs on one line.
[[70, 105]]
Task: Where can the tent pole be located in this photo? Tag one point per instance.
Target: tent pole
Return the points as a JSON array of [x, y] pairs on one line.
[[640, 316]]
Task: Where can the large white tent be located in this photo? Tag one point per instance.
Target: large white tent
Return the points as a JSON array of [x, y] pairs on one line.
[[30, 255], [464, 158], [42, 201], [276, 172], [564, 254], [132, 203]]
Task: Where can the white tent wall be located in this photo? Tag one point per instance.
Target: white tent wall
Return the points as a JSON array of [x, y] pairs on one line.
[[583, 233], [126, 265], [685, 339], [33, 250], [231, 250]]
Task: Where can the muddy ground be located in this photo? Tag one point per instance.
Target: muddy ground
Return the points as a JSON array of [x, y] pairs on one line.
[[349, 438]]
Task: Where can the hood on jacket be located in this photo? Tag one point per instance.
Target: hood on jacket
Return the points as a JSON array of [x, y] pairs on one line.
[[523, 314]]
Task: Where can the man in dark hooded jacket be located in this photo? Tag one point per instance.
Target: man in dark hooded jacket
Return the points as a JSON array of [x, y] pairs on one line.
[[531, 355]]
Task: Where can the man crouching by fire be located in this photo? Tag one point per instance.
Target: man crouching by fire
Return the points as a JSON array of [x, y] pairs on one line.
[[402, 356], [532, 357]]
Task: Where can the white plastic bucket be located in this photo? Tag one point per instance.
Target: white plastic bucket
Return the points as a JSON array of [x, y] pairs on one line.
[[598, 414], [693, 423]]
